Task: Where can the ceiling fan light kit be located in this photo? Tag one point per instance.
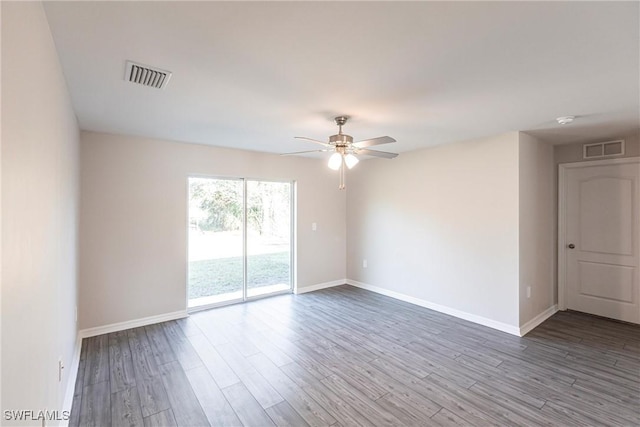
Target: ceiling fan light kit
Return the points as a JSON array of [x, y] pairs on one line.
[[345, 150], [335, 161], [350, 160]]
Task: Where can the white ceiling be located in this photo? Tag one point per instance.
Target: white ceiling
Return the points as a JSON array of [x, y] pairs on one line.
[[254, 75]]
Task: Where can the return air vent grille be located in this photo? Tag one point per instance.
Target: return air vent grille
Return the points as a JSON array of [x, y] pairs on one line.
[[146, 75], [603, 149]]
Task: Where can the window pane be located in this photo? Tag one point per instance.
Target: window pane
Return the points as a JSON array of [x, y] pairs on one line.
[[268, 237], [215, 240]]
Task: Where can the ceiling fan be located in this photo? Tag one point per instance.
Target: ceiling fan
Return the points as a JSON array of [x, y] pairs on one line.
[[345, 150]]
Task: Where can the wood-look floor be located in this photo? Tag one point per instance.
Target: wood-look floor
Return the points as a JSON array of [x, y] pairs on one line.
[[345, 356]]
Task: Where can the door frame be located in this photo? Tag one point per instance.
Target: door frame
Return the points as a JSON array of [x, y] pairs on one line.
[[562, 209]]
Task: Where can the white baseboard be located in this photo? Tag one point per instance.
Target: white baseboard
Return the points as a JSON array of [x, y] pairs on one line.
[[531, 324], [136, 323], [320, 286], [71, 380], [504, 327]]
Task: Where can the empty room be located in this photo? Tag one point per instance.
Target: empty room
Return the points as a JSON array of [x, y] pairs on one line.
[[320, 213]]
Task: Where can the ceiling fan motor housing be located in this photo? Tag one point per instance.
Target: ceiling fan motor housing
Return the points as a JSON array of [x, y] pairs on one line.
[[340, 140]]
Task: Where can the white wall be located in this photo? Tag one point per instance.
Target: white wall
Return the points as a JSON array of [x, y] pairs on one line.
[[441, 225], [537, 225], [1, 407], [133, 220], [40, 140]]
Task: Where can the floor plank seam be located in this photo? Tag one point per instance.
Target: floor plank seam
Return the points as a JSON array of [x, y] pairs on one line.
[[281, 361]]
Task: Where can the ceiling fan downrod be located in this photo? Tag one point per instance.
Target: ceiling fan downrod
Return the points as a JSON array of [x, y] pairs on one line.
[[341, 121]]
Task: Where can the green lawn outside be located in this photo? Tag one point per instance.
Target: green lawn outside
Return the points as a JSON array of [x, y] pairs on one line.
[[219, 276]]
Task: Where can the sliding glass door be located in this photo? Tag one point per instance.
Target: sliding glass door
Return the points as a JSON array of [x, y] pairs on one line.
[[268, 237], [240, 239]]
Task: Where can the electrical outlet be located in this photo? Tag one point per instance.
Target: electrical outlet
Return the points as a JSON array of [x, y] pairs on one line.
[[60, 368], [528, 291], [314, 226], [364, 263]]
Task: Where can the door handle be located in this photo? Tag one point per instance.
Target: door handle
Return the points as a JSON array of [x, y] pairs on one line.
[[571, 246]]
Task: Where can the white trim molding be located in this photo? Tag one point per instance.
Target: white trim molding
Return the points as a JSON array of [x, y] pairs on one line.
[[504, 327], [129, 324], [305, 289], [536, 321], [562, 209], [71, 380]]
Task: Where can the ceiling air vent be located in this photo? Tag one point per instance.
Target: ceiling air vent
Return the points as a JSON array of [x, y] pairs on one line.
[[146, 75], [603, 149]]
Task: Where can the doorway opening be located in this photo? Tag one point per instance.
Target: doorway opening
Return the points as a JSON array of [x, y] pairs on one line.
[[240, 240]]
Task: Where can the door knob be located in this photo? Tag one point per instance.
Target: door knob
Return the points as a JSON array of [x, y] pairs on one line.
[[571, 246]]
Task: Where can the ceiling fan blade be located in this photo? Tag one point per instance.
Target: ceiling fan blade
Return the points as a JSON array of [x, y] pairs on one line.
[[313, 140], [304, 152], [374, 141], [376, 153]]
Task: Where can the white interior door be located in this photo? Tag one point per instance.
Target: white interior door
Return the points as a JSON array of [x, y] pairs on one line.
[[602, 233]]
